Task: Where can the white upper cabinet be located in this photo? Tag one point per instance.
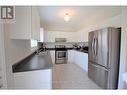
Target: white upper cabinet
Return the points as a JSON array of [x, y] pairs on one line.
[[35, 24], [27, 23], [21, 29]]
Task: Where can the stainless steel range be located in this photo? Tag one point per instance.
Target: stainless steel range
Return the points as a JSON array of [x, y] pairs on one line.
[[60, 52]]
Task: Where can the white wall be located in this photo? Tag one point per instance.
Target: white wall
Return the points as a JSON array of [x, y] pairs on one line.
[[123, 57], [15, 50], [112, 22], [82, 34]]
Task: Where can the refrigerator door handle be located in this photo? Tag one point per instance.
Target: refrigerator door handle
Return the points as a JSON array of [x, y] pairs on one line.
[[98, 66], [93, 46]]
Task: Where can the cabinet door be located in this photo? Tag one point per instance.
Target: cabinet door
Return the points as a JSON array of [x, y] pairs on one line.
[[21, 28], [78, 58], [35, 24], [38, 26], [71, 56], [38, 79]]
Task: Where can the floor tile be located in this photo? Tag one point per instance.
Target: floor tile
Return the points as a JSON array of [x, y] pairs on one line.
[[71, 76]]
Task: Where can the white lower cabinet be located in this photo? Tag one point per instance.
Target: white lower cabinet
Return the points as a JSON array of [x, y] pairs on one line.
[[38, 79], [78, 58]]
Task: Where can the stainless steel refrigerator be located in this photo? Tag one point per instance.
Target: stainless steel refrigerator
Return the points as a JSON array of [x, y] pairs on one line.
[[104, 52]]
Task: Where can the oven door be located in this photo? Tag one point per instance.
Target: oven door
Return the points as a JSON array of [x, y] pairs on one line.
[[61, 55]]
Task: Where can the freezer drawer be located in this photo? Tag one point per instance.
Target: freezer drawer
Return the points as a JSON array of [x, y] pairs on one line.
[[98, 74]]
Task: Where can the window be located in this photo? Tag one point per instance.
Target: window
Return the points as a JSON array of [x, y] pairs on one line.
[[41, 35], [33, 43]]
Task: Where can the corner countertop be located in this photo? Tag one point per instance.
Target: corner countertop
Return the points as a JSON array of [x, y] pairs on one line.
[[83, 51], [34, 62]]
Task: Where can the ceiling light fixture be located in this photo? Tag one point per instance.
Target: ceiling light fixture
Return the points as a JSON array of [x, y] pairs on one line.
[[66, 18]]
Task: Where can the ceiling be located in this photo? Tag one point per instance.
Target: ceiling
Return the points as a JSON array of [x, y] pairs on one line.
[[52, 17]]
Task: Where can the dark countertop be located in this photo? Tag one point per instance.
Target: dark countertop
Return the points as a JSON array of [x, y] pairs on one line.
[[84, 51], [78, 49], [55, 48], [34, 62]]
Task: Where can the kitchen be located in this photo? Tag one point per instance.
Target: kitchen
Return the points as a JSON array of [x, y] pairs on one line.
[[32, 67]]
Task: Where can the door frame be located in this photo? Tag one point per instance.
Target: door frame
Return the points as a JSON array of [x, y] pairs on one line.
[[2, 56]]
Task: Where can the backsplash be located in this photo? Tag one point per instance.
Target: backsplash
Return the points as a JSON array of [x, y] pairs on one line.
[[67, 44]]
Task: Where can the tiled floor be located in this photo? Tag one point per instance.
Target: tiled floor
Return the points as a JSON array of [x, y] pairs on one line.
[[70, 76]]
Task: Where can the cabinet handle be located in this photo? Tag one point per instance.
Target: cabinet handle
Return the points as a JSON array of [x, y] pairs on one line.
[[0, 77]]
